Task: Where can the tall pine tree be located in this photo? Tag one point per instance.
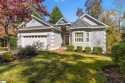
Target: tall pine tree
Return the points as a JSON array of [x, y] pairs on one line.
[[94, 8], [55, 15]]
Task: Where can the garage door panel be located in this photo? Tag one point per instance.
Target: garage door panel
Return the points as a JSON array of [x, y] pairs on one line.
[[39, 41]]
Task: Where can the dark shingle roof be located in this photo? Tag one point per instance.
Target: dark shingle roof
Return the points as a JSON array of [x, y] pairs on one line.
[[82, 23]]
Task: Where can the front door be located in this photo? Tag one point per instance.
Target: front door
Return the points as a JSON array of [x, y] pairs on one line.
[[66, 40]]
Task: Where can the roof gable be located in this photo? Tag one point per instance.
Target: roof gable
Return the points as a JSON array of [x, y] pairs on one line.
[[91, 20], [35, 22], [63, 21], [87, 21]]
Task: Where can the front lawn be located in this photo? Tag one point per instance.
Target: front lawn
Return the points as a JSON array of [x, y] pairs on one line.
[[49, 67]]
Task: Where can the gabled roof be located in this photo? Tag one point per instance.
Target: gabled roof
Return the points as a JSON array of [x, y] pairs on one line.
[[38, 20], [39, 24], [63, 21], [87, 21], [43, 21]]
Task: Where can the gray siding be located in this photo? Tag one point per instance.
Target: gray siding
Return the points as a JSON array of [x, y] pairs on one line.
[[97, 38], [57, 39]]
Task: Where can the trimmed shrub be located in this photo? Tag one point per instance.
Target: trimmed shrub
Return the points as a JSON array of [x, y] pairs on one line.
[[88, 50], [118, 56], [97, 50], [4, 48], [79, 48], [7, 56], [27, 51], [70, 48]]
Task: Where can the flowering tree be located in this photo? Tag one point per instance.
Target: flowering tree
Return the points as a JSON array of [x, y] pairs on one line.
[[12, 11]]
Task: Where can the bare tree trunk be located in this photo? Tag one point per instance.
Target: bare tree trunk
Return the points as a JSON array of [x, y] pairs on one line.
[[7, 38]]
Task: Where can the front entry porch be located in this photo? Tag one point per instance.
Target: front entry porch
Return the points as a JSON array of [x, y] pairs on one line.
[[65, 38], [64, 24]]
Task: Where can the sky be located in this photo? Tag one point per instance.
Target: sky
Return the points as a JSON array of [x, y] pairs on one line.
[[69, 7]]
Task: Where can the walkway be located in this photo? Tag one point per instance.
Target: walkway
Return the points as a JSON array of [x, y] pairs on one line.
[[1, 52], [60, 50]]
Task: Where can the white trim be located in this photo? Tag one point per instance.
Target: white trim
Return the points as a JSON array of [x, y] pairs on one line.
[[93, 19], [87, 37], [88, 27], [52, 45], [52, 40], [63, 24], [21, 24], [52, 37], [23, 29], [52, 34], [74, 36], [62, 19]]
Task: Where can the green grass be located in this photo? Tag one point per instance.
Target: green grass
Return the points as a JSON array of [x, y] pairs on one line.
[[49, 67]]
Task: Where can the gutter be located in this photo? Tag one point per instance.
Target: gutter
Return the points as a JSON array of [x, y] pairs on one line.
[[24, 29], [89, 27]]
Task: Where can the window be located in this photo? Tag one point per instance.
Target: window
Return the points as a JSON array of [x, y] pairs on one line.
[[78, 37], [87, 37]]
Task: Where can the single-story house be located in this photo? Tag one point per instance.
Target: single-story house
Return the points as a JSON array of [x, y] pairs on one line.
[[85, 31]]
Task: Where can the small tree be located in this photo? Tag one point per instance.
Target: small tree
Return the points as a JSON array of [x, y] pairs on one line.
[[112, 35], [119, 9], [55, 15], [94, 8], [13, 10]]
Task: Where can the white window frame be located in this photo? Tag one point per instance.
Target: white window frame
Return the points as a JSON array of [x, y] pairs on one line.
[[87, 37], [78, 37]]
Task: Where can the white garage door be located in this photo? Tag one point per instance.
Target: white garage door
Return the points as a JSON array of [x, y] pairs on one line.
[[40, 41]]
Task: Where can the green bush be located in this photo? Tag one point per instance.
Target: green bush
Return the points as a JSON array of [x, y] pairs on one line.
[[1, 42], [79, 48], [123, 36], [13, 42], [27, 51], [88, 50], [97, 50], [4, 48], [42, 52], [118, 52], [7, 56], [118, 56], [70, 48]]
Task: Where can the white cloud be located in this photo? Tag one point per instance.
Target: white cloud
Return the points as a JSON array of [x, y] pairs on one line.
[[59, 0]]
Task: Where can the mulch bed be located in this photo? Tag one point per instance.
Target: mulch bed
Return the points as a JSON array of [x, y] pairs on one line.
[[113, 74]]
